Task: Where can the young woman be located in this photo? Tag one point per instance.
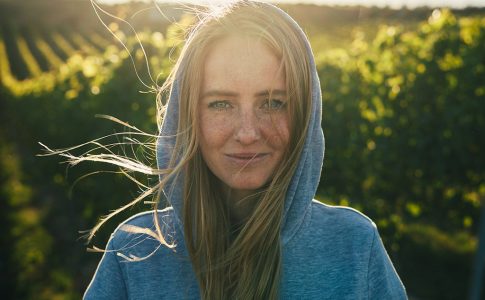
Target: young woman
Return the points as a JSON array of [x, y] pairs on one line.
[[240, 153]]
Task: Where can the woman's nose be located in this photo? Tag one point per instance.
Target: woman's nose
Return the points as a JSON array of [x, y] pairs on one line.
[[247, 127]]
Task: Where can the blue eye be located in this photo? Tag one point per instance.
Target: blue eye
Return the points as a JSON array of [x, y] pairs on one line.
[[273, 104], [220, 105]]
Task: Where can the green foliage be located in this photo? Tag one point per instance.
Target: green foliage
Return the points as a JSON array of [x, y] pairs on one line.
[[409, 104], [403, 119], [436, 264]]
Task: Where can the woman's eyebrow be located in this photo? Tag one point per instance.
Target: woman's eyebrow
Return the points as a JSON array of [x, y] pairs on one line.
[[271, 92], [224, 93], [212, 93]]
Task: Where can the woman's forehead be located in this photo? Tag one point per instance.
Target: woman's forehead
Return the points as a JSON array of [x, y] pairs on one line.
[[242, 63]]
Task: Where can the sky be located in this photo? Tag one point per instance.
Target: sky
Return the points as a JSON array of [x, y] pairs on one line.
[[380, 3]]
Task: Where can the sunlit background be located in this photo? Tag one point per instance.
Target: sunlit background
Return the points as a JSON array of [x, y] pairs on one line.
[[403, 116], [379, 3]]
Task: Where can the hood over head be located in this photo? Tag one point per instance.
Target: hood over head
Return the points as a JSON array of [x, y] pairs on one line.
[[305, 180]]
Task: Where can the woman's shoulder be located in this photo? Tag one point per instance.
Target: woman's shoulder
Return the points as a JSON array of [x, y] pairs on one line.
[[146, 218], [140, 230], [341, 221]]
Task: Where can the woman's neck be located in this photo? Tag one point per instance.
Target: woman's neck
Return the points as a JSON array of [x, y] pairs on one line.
[[241, 204]]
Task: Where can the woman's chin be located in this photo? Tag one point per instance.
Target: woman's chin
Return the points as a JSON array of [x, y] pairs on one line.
[[247, 186]]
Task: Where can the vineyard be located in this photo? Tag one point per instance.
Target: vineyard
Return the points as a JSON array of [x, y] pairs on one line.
[[36, 62], [403, 105]]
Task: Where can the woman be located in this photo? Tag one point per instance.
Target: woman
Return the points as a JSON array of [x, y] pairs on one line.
[[240, 154]]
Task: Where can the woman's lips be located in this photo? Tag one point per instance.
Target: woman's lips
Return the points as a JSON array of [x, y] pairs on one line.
[[246, 158]]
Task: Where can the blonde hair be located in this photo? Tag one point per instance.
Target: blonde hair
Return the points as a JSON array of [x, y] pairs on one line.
[[248, 264]]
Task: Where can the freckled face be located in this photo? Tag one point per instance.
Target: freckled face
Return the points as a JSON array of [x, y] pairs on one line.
[[243, 114]]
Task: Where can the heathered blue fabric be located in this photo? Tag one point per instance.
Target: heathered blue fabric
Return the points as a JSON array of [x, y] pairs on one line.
[[328, 252]]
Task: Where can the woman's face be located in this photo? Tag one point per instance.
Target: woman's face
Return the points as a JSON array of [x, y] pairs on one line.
[[244, 130]]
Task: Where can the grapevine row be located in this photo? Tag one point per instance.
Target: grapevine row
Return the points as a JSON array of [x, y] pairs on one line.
[[27, 74]]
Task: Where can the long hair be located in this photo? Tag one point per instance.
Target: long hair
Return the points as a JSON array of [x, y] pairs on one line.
[[247, 264]]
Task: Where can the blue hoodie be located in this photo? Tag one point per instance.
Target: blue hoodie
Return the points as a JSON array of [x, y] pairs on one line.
[[328, 252]]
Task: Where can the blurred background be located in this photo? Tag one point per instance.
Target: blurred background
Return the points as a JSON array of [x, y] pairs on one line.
[[403, 115]]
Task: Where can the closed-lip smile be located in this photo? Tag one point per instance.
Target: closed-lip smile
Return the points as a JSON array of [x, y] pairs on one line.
[[246, 157]]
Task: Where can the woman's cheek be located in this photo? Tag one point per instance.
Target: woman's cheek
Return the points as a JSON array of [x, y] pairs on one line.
[[216, 128], [279, 133], [285, 131]]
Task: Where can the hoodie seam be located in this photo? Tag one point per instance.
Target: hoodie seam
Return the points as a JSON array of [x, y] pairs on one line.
[[369, 262], [306, 214], [123, 273]]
